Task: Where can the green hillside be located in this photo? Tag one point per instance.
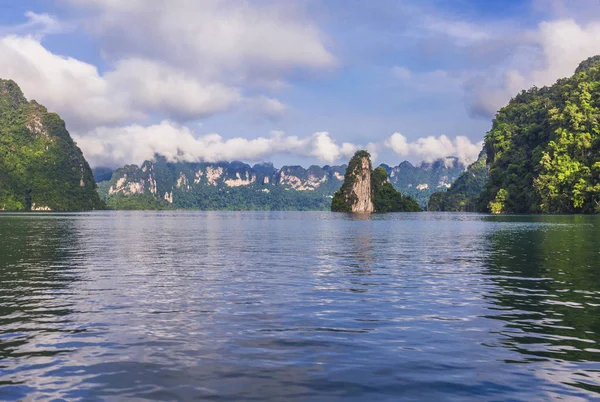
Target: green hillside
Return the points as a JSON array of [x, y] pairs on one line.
[[41, 168]]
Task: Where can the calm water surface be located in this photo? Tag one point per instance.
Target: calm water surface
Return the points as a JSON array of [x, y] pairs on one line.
[[299, 306]]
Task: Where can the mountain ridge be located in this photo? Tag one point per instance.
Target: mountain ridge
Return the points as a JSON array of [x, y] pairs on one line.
[[317, 184]]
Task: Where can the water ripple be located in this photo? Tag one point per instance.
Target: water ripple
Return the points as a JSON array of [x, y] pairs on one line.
[[299, 306]]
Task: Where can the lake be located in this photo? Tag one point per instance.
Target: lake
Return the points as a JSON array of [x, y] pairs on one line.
[[299, 306]]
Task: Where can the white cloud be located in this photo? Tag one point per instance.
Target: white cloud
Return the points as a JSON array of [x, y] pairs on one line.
[[136, 143], [135, 88], [182, 61], [551, 52], [156, 87], [37, 25], [115, 146], [63, 84], [264, 105], [224, 39], [432, 148]]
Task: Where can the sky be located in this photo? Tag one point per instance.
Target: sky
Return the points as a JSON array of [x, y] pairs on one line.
[[289, 81]]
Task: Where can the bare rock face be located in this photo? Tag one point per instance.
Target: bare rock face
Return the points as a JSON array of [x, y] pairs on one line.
[[361, 188], [356, 194]]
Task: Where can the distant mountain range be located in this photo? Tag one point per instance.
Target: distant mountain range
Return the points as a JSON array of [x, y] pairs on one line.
[[158, 184]]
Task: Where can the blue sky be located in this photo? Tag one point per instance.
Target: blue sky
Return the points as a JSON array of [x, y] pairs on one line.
[[293, 82]]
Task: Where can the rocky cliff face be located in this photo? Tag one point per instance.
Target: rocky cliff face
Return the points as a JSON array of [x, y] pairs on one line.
[[361, 188], [189, 184], [224, 185], [365, 190], [355, 195], [41, 168]]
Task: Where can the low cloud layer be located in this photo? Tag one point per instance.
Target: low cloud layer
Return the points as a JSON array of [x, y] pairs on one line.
[[431, 148], [136, 143]]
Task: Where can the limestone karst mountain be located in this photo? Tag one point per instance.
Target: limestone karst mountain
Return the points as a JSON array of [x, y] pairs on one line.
[[223, 185], [41, 168], [355, 194], [236, 185], [365, 190]]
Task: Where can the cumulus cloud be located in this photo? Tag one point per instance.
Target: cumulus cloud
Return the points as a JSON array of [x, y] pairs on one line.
[[66, 85], [136, 143], [134, 89], [153, 86], [116, 146], [241, 41], [182, 61], [432, 148]]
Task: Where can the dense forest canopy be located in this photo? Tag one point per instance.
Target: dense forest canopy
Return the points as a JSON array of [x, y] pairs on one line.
[[543, 153], [41, 168], [544, 148], [386, 198]]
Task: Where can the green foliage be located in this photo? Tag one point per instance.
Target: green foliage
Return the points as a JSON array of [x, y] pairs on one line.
[[497, 205], [424, 179], [386, 198], [137, 202], [590, 62], [464, 193], [544, 147], [158, 178], [339, 204], [40, 165]]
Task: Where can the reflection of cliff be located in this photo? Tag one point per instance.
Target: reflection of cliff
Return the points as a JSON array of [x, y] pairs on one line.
[[549, 286], [33, 268]]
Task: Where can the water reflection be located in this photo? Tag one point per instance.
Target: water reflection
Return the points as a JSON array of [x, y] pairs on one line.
[[548, 272], [38, 267], [298, 306]]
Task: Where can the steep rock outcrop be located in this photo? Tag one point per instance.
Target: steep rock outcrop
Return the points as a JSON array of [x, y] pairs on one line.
[[365, 190], [41, 168], [355, 194], [221, 185]]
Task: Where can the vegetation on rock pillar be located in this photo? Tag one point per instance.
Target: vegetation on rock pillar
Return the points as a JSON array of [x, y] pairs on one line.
[[345, 198], [383, 195]]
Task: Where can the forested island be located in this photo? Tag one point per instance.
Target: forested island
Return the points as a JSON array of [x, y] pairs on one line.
[[542, 153]]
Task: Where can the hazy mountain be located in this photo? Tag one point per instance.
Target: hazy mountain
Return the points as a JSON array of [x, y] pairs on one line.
[[237, 185]]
